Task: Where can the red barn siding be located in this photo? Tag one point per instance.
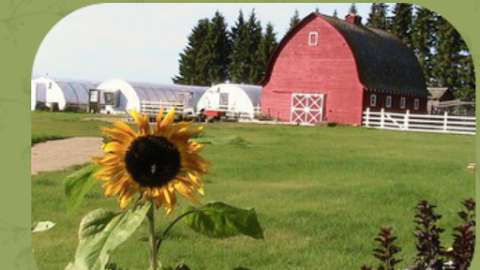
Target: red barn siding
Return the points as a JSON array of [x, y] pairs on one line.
[[328, 68]]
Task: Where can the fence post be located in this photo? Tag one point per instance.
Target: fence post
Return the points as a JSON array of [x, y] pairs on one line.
[[406, 119], [367, 117], [445, 121], [382, 118]]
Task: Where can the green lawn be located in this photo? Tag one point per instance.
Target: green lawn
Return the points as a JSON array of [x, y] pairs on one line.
[[321, 194], [47, 125]]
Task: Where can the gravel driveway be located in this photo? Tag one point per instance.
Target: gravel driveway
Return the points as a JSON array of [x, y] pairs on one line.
[[60, 154]]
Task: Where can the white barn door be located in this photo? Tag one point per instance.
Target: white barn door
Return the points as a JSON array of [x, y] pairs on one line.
[[307, 108]]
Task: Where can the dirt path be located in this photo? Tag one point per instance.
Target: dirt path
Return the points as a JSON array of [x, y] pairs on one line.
[[60, 154]]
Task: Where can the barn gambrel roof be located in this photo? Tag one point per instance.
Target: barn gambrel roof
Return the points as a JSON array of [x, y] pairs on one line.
[[384, 63]]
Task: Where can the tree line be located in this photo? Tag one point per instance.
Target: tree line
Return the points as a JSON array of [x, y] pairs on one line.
[[217, 53], [439, 47]]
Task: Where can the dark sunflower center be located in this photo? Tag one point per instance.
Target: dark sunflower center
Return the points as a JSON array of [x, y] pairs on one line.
[[152, 161]]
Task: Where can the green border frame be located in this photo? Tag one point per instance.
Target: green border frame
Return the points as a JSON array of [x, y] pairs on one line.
[[24, 24]]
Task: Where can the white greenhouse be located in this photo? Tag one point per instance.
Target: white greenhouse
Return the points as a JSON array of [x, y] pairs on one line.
[[118, 96], [60, 94], [235, 100]]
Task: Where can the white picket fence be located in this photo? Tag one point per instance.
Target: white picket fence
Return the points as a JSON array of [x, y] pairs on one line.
[[152, 108], [419, 122]]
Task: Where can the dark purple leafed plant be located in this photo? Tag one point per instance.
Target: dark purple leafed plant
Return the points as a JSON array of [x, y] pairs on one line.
[[464, 238], [429, 249], [386, 250], [431, 255]]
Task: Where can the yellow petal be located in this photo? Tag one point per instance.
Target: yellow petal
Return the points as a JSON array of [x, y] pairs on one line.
[[186, 191], [109, 160], [195, 179], [118, 135], [167, 196], [169, 209], [142, 122], [160, 115], [185, 133], [124, 127], [114, 147], [168, 120], [195, 147], [125, 199]]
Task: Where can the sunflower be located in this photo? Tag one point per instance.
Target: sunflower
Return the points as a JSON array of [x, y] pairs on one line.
[[154, 162]]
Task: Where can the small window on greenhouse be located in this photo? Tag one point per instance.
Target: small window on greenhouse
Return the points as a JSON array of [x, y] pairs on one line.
[[109, 98], [373, 100], [403, 103], [313, 39], [223, 99], [416, 104], [388, 101]]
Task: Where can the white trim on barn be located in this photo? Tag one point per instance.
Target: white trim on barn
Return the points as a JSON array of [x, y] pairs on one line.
[[239, 100], [62, 93], [136, 96]]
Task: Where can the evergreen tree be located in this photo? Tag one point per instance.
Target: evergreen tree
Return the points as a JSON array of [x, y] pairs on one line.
[[423, 40], [217, 50], [294, 20], [378, 16], [239, 57], [353, 9], [465, 72], [447, 47], [335, 14], [453, 64], [255, 38], [266, 49], [402, 23], [190, 68]]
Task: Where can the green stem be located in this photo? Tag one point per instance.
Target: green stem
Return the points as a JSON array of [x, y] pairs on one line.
[[152, 237], [170, 226]]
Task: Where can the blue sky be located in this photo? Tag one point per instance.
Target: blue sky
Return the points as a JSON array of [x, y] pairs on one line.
[[142, 42]]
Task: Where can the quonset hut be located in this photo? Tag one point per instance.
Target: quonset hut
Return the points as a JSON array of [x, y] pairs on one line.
[[236, 100], [117, 96], [60, 94], [328, 69]]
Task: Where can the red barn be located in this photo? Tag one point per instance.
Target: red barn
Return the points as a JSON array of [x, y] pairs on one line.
[[327, 69]]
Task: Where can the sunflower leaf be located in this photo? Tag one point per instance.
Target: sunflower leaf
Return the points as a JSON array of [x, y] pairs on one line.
[[78, 184], [102, 231], [220, 220]]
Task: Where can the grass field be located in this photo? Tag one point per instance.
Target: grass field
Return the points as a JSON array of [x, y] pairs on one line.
[[321, 194], [48, 126]]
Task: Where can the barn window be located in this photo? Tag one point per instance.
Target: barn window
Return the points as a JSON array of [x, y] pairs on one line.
[[313, 39], [416, 104], [388, 102], [403, 103], [49, 85], [373, 100]]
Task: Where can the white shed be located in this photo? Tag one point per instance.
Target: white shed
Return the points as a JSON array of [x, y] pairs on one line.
[[63, 94], [241, 100], [120, 96]]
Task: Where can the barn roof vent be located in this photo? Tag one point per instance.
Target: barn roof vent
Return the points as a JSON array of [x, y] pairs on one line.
[[353, 19]]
